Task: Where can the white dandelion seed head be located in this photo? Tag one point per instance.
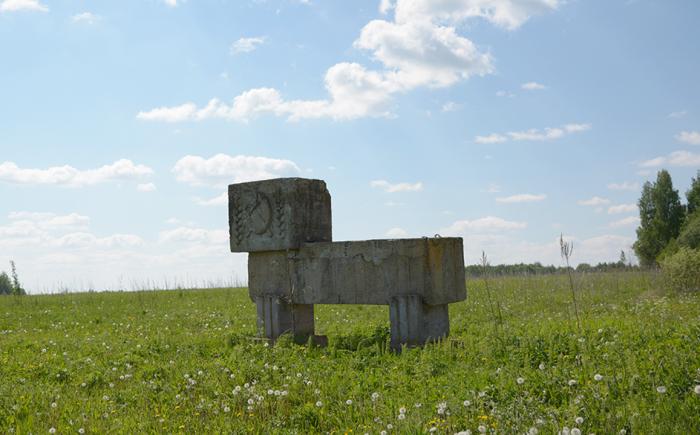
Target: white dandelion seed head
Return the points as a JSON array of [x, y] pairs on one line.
[[482, 428], [417, 405], [348, 402], [520, 381], [52, 430], [390, 426], [466, 403], [382, 432], [81, 430], [579, 420], [533, 431], [598, 377], [401, 416], [54, 404], [572, 382], [661, 389], [319, 404], [375, 396], [402, 410], [541, 366], [696, 390], [575, 431]]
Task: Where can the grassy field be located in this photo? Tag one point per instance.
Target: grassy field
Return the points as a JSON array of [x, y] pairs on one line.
[[516, 362]]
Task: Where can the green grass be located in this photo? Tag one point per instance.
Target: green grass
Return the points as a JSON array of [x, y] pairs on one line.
[[171, 361]]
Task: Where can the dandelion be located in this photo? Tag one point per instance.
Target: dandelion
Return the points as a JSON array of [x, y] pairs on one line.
[[348, 402], [598, 377], [105, 397], [541, 366], [401, 416], [661, 389], [319, 404], [579, 420], [382, 432], [270, 392], [572, 382], [575, 431], [441, 407], [520, 381], [533, 431], [375, 396], [418, 405], [390, 426], [565, 431], [251, 401], [432, 429], [464, 432], [696, 390], [402, 410], [466, 403], [54, 404], [52, 430], [482, 428], [482, 393], [81, 431]]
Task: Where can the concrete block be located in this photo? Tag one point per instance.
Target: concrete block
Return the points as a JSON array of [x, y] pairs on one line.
[[414, 323], [278, 214], [276, 316]]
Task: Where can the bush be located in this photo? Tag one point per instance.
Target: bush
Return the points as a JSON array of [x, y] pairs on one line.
[[682, 269], [6, 287], [690, 234]]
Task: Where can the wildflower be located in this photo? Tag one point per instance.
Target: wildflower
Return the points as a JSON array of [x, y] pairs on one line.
[[52, 430], [623, 432], [464, 432], [54, 404], [533, 431], [251, 401], [466, 403], [319, 404], [541, 366], [348, 402], [579, 420], [482, 393], [572, 382], [105, 397], [482, 428], [390, 426], [270, 392], [661, 389], [227, 409], [402, 410], [520, 381], [598, 377], [401, 416], [382, 432], [565, 431], [432, 429], [441, 407], [575, 431], [697, 389], [418, 405], [81, 430], [375, 396]]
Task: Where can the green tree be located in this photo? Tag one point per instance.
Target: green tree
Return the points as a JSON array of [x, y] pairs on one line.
[[690, 234], [5, 284], [16, 287], [693, 195], [661, 214]]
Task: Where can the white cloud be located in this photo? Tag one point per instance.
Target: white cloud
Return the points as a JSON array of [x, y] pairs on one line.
[[22, 5], [86, 17], [533, 86], [490, 139], [246, 45], [524, 197], [222, 169], [625, 222], [386, 5], [622, 208], [121, 170], [88, 240], [689, 137], [509, 14], [505, 94], [451, 106], [594, 202], [146, 187], [179, 113], [493, 188], [423, 54], [625, 185], [173, 3], [396, 233], [534, 134], [676, 158], [488, 224], [397, 187], [48, 221]]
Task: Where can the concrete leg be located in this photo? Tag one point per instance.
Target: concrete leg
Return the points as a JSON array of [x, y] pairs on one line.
[[277, 317], [414, 323]]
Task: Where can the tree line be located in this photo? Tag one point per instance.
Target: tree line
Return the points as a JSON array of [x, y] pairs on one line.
[[9, 285]]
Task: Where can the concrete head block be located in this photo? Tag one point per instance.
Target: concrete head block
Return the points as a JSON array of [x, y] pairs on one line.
[[278, 214]]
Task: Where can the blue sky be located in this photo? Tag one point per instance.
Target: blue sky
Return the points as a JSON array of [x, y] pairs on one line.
[[505, 122]]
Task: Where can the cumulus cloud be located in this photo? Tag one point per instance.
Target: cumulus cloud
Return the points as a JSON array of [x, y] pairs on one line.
[[22, 5], [222, 169], [524, 197], [215, 201], [86, 17], [533, 86], [485, 224], [451, 106], [596, 201], [419, 48], [625, 185], [689, 137], [191, 234], [396, 187], [534, 135], [121, 170], [622, 208], [246, 45], [676, 158]]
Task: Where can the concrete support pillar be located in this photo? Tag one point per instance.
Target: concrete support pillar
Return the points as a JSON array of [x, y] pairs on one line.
[[414, 323], [276, 317]]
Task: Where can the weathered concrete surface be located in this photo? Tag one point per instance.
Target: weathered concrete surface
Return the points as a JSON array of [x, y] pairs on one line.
[[366, 272], [414, 323], [276, 317], [278, 214]]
